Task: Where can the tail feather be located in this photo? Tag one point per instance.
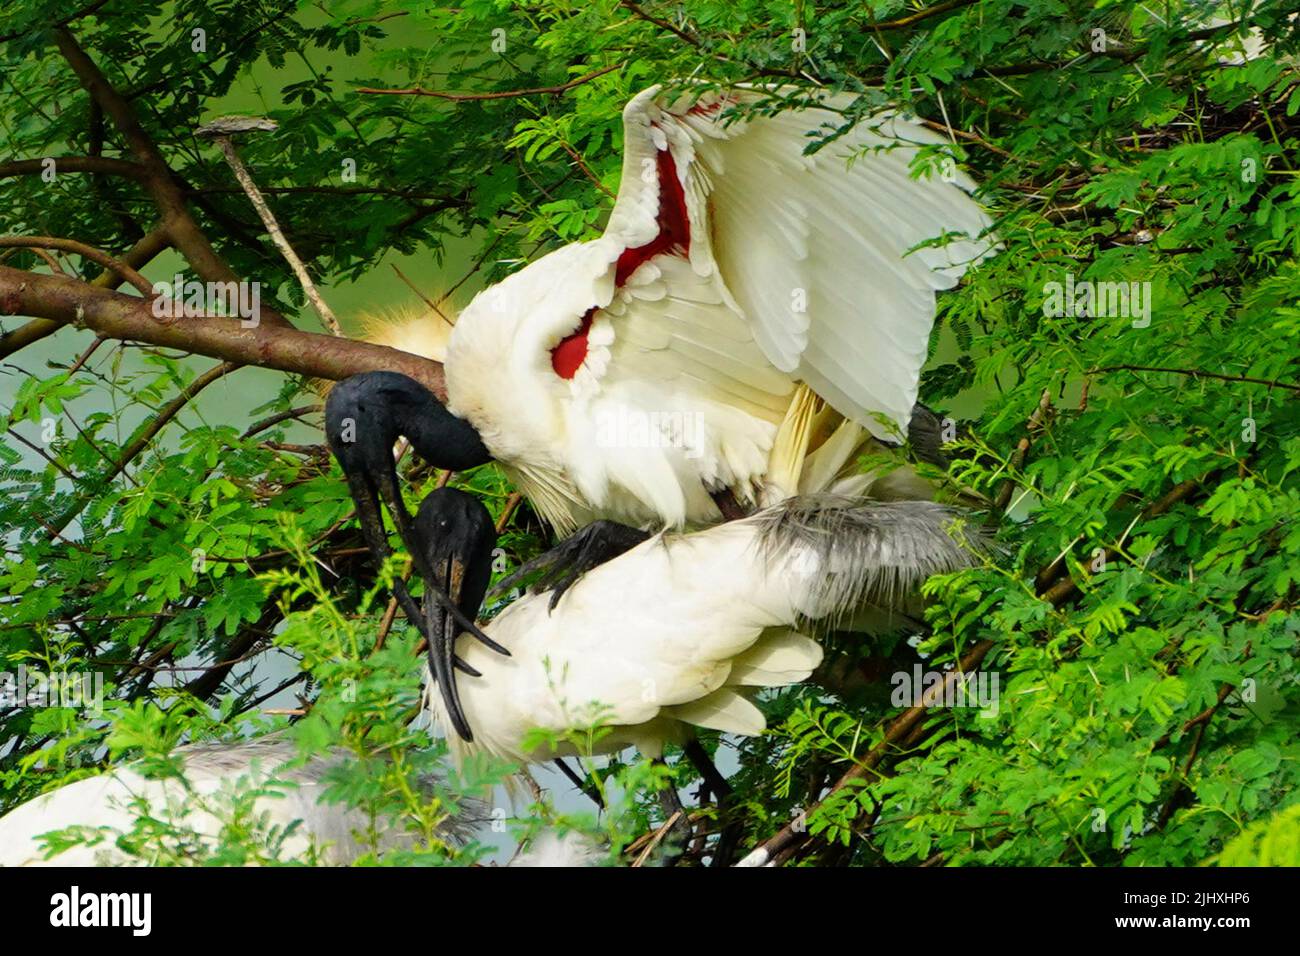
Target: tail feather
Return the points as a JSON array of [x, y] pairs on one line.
[[724, 709], [849, 553]]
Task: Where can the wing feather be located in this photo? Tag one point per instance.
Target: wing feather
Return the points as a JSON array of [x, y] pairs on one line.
[[819, 256]]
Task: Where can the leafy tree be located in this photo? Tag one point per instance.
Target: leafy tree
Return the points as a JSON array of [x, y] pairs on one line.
[[1139, 453]]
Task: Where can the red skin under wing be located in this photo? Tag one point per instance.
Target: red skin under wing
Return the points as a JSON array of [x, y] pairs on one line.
[[674, 234], [568, 356]]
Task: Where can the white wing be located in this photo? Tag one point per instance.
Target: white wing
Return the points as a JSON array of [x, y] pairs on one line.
[[215, 774], [808, 255]]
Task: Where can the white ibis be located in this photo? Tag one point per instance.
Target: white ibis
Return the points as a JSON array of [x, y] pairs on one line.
[[288, 809], [676, 633], [749, 307]]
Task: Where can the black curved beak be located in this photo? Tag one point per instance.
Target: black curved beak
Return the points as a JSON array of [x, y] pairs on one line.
[[440, 632], [364, 417], [454, 536]]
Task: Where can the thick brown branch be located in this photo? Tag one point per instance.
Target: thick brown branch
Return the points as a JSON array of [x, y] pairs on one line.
[[185, 233], [286, 349], [139, 255]]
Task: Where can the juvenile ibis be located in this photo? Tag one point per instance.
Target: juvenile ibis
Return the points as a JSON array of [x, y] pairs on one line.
[[678, 632]]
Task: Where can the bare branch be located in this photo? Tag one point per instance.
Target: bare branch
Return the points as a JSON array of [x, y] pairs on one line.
[[504, 95], [118, 316], [139, 255], [80, 248], [74, 164], [185, 233], [227, 147]]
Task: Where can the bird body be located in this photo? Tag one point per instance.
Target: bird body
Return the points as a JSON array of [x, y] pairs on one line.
[[288, 805], [744, 299], [680, 631], [753, 317]]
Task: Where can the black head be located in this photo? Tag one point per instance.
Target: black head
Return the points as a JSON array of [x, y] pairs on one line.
[[455, 537], [365, 415]]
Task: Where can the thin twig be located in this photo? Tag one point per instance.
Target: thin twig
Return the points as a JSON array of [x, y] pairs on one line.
[[503, 95], [98, 256], [279, 417], [1197, 373], [427, 301], [327, 317], [658, 837]]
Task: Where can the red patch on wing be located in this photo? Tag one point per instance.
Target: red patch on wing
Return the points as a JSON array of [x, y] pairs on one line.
[[568, 356], [708, 109], [674, 233], [674, 225]]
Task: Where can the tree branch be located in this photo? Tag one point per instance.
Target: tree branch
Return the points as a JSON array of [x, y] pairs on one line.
[[185, 233], [1196, 373], [146, 435], [791, 836], [227, 147], [637, 11], [97, 256], [74, 164], [139, 255], [504, 95], [280, 347]]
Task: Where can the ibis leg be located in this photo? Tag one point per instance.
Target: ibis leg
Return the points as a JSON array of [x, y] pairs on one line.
[[584, 785], [732, 830]]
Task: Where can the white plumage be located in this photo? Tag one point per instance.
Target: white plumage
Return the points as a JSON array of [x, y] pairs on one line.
[[215, 773], [738, 285], [682, 630]]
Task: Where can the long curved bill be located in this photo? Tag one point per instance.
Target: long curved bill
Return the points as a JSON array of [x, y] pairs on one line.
[[442, 626]]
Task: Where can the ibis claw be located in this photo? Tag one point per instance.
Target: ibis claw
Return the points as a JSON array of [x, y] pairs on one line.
[[562, 566]]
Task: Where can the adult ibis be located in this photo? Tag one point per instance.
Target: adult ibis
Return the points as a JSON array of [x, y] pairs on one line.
[[288, 817]]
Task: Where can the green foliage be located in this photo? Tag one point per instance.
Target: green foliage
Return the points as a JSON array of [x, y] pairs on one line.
[[1145, 718], [1271, 842]]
